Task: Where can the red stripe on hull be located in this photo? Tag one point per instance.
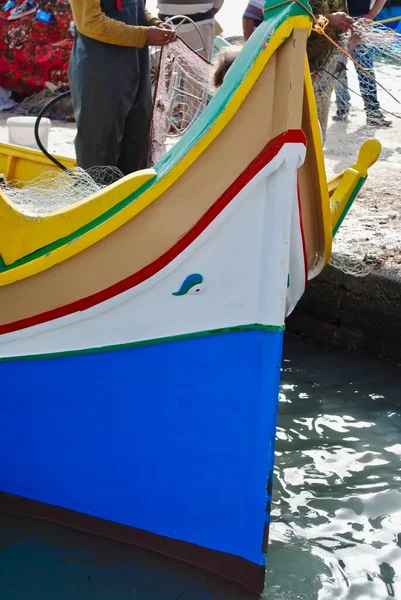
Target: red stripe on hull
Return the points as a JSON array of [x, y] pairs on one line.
[[268, 153], [301, 225]]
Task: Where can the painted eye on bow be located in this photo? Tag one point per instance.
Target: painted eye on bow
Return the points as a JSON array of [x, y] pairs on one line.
[[196, 289], [193, 284]]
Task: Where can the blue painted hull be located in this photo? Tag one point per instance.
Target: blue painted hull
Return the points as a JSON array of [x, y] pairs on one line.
[[176, 439]]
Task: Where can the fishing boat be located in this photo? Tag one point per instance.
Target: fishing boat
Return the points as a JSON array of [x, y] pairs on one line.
[[141, 329]]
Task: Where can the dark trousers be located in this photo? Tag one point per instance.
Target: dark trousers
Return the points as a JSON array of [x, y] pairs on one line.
[[113, 109], [111, 94]]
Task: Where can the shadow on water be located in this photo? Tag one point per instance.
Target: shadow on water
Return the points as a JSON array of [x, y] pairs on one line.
[[43, 561], [336, 530]]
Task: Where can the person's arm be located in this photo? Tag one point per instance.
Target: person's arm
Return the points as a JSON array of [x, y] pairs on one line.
[[91, 21], [248, 27], [150, 20], [253, 16], [217, 4], [376, 8]]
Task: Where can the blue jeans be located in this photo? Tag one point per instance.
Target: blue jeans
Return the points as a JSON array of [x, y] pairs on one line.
[[363, 55]]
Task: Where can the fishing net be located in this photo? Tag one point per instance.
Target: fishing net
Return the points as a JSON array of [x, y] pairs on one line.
[[354, 265], [182, 89], [182, 83], [51, 190], [371, 85], [353, 108], [370, 236]]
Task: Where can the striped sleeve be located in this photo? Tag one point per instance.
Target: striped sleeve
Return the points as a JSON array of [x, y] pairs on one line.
[[254, 10]]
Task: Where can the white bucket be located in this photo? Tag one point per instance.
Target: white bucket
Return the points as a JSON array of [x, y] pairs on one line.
[[21, 131]]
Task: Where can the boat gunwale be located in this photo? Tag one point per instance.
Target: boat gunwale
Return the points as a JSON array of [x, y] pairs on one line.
[[209, 125]]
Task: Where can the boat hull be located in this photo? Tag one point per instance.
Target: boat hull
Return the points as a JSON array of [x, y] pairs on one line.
[[141, 330], [169, 446]]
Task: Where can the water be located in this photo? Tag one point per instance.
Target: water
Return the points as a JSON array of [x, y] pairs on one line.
[[337, 517], [336, 530]]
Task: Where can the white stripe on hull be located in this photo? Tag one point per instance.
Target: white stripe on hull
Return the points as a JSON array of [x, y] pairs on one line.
[[243, 255]]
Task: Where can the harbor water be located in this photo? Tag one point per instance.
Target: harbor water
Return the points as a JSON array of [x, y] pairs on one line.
[[336, 520]]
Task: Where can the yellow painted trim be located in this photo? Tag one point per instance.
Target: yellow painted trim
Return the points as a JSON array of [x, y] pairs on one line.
[[347, 182], [123, 216], [368, 155], [317, 144], [28, 160], [29, 232], [333, 183]]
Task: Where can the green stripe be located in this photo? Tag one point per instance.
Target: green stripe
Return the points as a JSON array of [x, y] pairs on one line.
[[153, 342], [79, 232], [232, 81], [349, 204]]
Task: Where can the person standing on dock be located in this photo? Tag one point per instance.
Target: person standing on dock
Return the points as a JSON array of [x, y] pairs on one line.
[[110, 81], [364, 56], [202, 13]]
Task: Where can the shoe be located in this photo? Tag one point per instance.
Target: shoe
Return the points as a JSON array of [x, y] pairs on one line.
[[340, 116], [26, 8], [8, 5], [377, 119]]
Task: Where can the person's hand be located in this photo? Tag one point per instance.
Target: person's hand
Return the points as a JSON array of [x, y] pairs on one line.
[[340, 21], [167, 26], [160, 36]]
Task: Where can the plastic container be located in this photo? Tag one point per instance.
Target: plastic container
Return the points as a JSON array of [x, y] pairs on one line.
[[21, 131]]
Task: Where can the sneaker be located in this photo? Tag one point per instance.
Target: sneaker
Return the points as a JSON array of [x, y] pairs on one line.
[[26, 8], [340, 116], [377, 119], [8, 5]]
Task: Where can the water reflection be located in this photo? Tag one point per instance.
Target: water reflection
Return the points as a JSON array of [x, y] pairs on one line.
[[336, 530], [337, 491]]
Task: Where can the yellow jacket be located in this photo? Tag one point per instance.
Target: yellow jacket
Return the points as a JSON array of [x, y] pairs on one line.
[[92, 22]]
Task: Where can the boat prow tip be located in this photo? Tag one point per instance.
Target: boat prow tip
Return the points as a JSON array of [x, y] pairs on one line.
[[368, 154]]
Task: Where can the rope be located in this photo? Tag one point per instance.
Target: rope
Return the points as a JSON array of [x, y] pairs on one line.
[[346, 87], [320, 24], [392, 20]]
